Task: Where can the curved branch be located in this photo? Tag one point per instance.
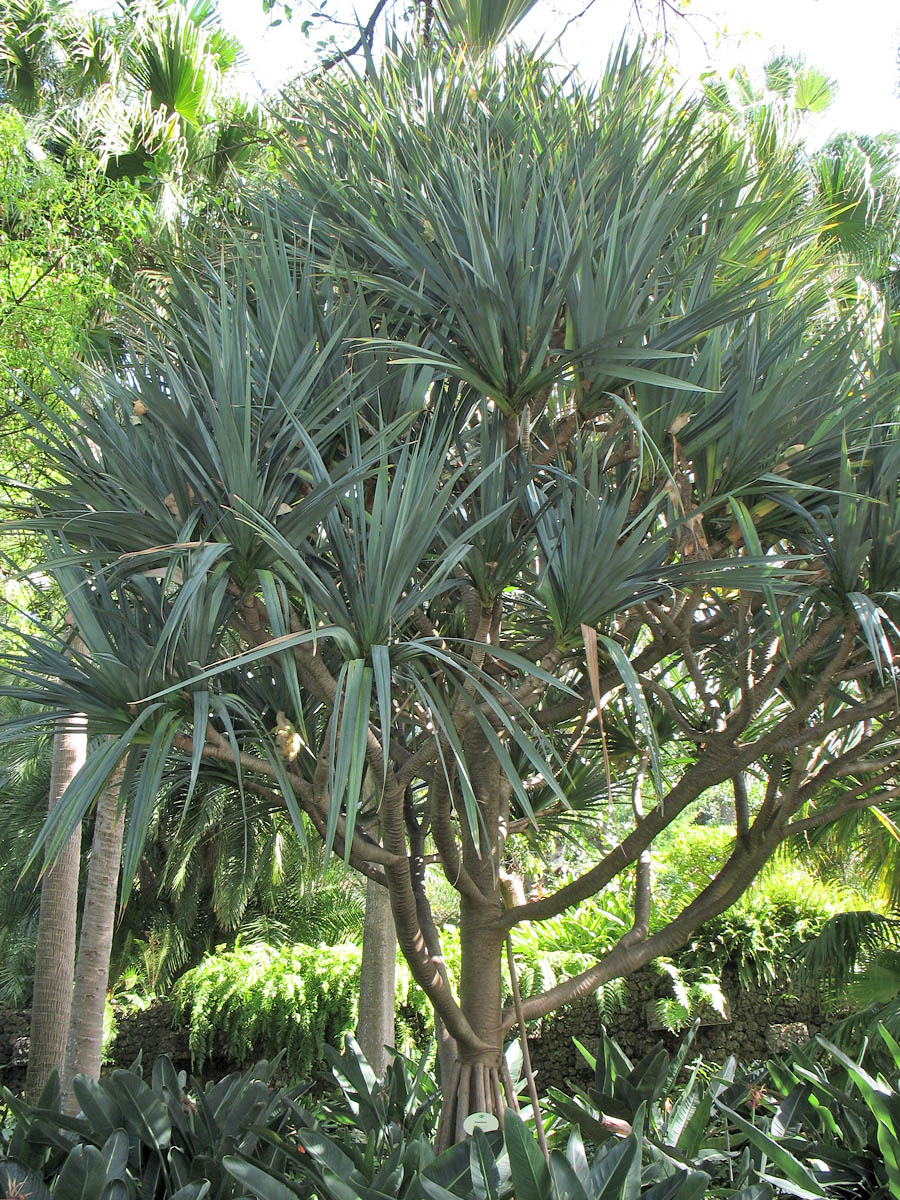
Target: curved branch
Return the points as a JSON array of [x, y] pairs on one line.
[[364, 868], [439, 808], [625, 957], [365, 39], [361, 849], [689, 788]]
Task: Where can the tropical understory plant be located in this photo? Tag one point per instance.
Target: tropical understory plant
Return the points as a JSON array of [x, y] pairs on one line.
[[820, 1125], [519, 457]]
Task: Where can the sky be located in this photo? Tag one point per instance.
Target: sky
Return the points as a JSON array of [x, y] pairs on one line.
[[855, 42]]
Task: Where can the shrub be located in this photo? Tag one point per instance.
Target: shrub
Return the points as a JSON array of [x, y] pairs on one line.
[[787, 906], [259, 1000], [819, 1125], [140, 1140]]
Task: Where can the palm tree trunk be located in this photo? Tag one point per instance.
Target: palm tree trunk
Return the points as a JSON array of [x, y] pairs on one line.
[[55, 951], [85, 1041], [375, 1029]]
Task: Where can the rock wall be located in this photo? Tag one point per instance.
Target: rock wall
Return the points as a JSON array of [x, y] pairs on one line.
[[14, 1028], [760, 1023], [759, 1020], [150, 1033]]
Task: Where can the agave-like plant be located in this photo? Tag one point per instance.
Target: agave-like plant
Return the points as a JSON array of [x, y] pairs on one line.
[[522, 414]]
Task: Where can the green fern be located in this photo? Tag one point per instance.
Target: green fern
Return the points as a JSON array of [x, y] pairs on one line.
[[847, 945], [258, 1000], [694, 992]]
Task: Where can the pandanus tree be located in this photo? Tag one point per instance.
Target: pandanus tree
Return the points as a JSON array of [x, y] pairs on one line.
[[520, 445]]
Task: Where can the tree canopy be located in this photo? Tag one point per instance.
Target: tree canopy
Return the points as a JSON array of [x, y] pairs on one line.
[[519, 459]]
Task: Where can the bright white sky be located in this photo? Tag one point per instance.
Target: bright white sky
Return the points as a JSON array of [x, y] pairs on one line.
[[853, 41]]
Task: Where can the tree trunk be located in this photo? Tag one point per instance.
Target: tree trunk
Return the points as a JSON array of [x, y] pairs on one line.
[[479, 1081], [375, 1029], [416, 830], [55, 951], [85, 1040]]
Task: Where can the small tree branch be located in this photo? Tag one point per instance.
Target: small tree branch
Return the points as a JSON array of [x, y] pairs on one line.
[[741, 805], [361, 848], [365, 39], [664, 696], [878, 706], [692, 784], [764, 687], [568, 709], [277, 801], [643, 868], [840, 809], [19, 300], [440, 811], [428, 972]]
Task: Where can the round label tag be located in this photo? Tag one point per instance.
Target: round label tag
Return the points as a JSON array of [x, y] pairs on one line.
[[486, 1122]]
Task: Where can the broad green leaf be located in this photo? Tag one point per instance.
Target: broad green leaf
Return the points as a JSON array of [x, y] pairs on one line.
[[566, 1183], [83, 1175], [530, 1174], [115, 1154], [483, 1165], [17, 1180], [683, 1185], [790, 1167], [613, 1169], [98, 1106], [143, 1111], [260, 1183]]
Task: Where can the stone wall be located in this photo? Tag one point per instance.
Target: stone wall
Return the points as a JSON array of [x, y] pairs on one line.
[[13, 1048], [748, 1035], [150, 1033], [756, 1028]]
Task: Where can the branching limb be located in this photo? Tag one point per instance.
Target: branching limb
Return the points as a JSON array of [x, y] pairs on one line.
[[425, 969], [741, 805], [571, 706], [534, 687], [363, 851], [440, 811], [692, 784], [277, 800], [417, 862], [764, 687], [722, 891], [366, 34], [664, 696], [879, 706]]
